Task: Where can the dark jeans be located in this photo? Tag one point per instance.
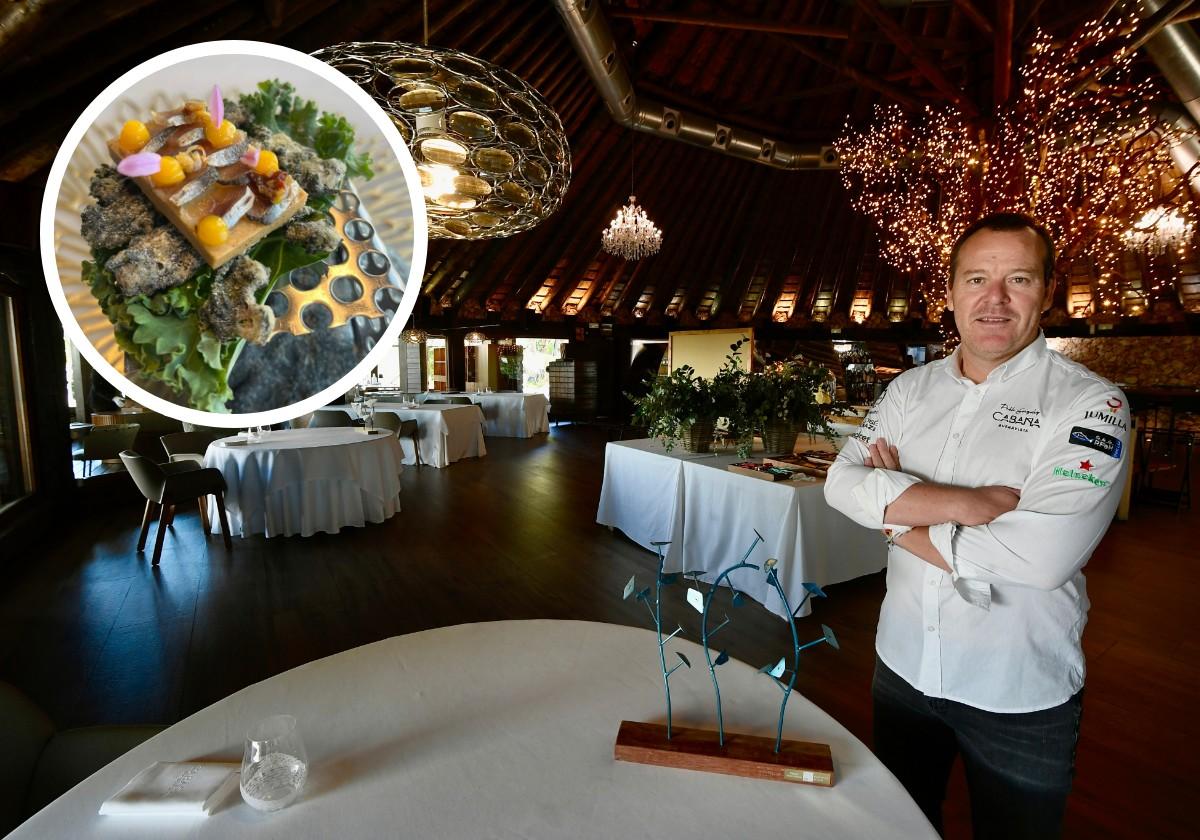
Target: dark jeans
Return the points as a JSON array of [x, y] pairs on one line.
[[1019, 766]]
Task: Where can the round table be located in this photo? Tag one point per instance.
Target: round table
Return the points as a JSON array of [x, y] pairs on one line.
[[301, 481], [504, 730]]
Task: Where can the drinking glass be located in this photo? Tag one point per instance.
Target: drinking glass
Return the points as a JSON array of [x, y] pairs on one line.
[[274, 765]]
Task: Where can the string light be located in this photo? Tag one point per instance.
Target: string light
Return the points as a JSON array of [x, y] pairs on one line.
[[1089, 161]]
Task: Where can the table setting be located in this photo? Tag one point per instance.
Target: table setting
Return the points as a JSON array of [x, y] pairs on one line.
[[414, 749]]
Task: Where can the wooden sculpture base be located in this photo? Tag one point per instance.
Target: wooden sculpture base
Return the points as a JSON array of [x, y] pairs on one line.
[[742, 755]]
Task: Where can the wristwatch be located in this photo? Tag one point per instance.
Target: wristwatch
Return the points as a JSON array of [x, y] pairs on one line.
[[893, 532]]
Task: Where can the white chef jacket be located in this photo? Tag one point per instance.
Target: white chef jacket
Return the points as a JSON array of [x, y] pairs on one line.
[[1002, 632]]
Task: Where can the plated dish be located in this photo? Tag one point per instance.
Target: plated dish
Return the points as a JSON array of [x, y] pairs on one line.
[[204, 207]]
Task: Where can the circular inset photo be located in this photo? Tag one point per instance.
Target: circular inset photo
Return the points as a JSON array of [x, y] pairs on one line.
[[232, 232]]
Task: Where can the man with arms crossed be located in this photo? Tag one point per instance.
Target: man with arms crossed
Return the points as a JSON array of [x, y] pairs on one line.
[[993, 474]]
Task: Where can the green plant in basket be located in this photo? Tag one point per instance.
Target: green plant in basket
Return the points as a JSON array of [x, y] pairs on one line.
[[674, 404], [783, 395]]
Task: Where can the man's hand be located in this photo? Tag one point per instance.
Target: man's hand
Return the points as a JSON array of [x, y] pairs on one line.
[[883, 455], [980, 505]]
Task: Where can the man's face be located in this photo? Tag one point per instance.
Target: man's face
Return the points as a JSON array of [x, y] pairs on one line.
[[997, 294]]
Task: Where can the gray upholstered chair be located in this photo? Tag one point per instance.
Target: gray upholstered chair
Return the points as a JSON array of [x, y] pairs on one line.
[[325, 418], [105, 443], [41, 763], [402, 428], [436, 402], [165, 486], [459, 400], [190, 446]]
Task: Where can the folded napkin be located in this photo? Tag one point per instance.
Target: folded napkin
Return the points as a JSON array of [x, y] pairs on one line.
[[189, 788]]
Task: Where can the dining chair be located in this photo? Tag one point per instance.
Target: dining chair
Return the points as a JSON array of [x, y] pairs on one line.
[[436, 402], [1166, 454], [191, 446], [325, 419], [401, 428], [41, 762], [105, 443], [167, 485], [459, 400]]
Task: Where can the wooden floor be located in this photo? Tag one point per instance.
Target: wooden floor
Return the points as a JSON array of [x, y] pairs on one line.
[[95, 635]]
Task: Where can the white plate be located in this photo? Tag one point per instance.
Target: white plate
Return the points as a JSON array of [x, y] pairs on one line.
[[190, 73]]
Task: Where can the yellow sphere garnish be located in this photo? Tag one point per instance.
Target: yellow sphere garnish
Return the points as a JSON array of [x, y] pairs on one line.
[[134, 135], [268, 164], [169, 173], [220, 135], [212, 230]]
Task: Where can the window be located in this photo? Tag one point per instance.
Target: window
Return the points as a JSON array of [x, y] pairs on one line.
[[435, 364], [16, 475], [539, 352]]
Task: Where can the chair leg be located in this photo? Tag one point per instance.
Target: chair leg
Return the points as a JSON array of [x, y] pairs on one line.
[[202, 503], [151, 510], [224, 521], [164, 519]]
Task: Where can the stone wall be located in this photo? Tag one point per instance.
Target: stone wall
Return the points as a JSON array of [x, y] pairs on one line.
[[1145, 361], [1141, 360]]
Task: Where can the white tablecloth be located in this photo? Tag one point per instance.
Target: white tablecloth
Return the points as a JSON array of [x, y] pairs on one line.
[[710, 514], [446, 433], [302, 481], [510, 415], [505, 730]]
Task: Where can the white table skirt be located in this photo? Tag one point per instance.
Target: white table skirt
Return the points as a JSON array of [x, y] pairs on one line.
[[302, 481], [506, 414], [710, 514], [504, 730], [445, 433]]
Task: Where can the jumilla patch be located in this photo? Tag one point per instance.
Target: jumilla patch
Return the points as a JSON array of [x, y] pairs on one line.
[[1099, 441], [1068, 472]]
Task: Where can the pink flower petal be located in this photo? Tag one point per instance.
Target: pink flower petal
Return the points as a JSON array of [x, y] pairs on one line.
[[216, 106], [143, 163], [250, 157]]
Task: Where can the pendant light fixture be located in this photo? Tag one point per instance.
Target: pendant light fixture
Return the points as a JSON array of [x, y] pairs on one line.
[[631, 235], [492, 154]]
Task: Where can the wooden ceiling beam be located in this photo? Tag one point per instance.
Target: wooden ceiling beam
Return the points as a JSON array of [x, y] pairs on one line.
[[916, 55], [1002, 53], [863, 79], [741, 24], [975, 16]]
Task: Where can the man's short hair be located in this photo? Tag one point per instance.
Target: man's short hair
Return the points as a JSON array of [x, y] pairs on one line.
[[1008, 221]]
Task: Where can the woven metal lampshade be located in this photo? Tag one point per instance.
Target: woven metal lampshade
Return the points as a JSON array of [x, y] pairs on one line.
[[474, 338], [414, 335], [492, 154]]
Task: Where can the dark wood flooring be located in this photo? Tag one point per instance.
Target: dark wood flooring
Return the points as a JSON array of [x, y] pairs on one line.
[[95, 634]]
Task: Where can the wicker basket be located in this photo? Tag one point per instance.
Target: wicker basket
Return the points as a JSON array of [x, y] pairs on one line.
[[780, 438], [698, 437]]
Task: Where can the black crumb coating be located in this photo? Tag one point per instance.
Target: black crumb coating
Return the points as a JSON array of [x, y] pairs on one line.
[[314, 237], [231, 311], [112, 224], [317, 175], [154, 261], [108, 185]]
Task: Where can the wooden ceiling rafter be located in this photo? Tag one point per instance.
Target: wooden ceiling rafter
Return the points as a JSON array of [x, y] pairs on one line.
[[1002, 52], [977, 18], [904, 42], [706, 265]]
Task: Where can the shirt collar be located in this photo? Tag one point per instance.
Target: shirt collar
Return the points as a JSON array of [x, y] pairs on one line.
[[1029, 356]]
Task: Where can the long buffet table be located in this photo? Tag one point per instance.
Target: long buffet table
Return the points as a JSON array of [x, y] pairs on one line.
[[709, 515]]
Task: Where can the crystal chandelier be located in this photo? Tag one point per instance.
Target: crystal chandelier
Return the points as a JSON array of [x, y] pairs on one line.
[[631, 235], [474, 338], [1159, 231], [491, 153]]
